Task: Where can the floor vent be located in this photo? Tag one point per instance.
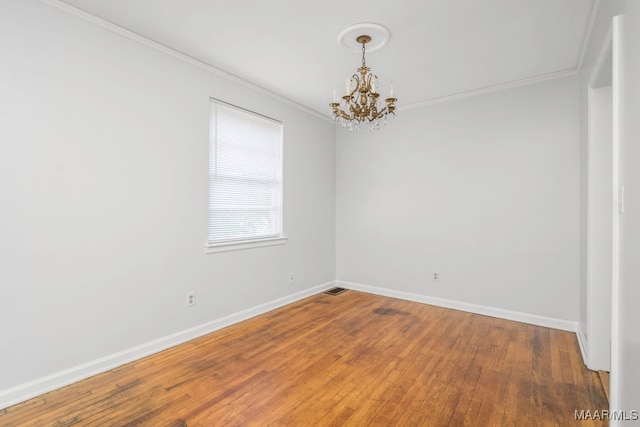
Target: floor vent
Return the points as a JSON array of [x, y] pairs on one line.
[[335, 291]]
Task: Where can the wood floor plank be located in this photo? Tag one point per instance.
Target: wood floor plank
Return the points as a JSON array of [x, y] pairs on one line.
[[348, 360]]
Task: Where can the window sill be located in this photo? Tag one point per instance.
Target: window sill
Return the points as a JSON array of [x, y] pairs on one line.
[[212, 248]]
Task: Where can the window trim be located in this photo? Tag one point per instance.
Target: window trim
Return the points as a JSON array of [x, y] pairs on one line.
[[255, 242], [236, 245]]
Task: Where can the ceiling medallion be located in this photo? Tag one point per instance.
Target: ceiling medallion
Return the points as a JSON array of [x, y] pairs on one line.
[[361, 103]]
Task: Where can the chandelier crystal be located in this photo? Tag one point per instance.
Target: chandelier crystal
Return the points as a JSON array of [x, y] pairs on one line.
[[361, 104]]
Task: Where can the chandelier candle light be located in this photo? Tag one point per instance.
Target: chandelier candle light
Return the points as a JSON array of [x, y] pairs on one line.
[[361, 102]]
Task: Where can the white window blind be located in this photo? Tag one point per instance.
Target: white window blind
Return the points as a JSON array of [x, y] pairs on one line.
[[245, 175]]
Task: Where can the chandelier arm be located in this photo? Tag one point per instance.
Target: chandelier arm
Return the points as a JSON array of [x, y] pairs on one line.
[[357, 85]]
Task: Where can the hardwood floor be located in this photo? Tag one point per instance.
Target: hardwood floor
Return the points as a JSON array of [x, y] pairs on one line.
[[353, 359]]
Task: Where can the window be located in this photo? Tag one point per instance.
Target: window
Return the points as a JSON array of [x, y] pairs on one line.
[[245, 179]]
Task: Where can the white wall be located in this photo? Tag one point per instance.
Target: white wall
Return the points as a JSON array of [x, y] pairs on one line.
[[103, 162], [484, 190]]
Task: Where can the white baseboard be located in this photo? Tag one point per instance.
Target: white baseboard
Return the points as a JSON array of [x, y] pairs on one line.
[[532, 319], [59, 379], [582, 343]]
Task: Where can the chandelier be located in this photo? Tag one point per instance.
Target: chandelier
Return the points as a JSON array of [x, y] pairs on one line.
[[361, 103]]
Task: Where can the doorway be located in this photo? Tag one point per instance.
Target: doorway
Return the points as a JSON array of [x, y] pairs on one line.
[[602, 207]]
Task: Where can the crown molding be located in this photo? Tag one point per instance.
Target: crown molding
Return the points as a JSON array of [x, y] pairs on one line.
[[123, 32], [587, 34], [490, 89]]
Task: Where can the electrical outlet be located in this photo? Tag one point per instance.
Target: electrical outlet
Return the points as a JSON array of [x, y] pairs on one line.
[[191, 299], [436, 276], [292, 278]]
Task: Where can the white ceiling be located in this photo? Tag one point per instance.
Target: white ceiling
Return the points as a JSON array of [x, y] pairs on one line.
[[437, 48]]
